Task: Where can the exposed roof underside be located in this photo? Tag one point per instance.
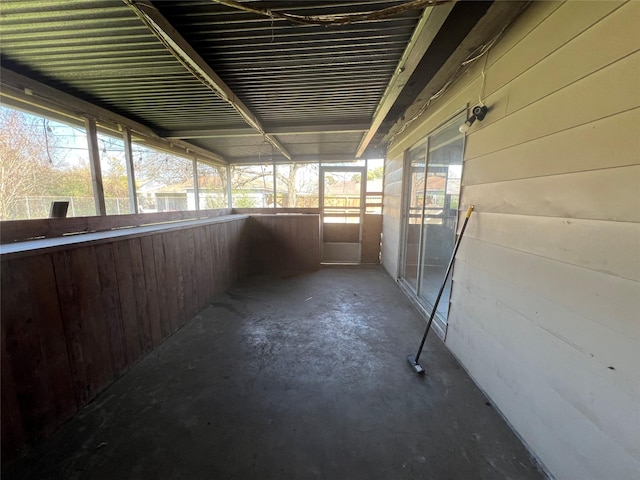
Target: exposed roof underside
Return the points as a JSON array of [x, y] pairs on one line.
[[239, 84]]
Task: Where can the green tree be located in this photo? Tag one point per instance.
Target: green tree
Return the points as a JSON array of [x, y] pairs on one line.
[[73, 181], [114, 178], [375, 173]]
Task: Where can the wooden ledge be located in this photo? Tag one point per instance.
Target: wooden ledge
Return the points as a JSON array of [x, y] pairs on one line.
[[31, 247]]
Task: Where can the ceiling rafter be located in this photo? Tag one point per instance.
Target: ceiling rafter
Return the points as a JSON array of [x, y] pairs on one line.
[[276, 130], [195, 64], [335, 19], [428, 27], [310, 158]]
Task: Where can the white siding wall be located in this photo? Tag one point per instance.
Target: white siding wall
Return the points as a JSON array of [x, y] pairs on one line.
[[546, 300], [392, 201]]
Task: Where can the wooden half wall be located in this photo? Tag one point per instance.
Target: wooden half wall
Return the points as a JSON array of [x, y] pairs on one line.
[[275, 243], [77, 314]]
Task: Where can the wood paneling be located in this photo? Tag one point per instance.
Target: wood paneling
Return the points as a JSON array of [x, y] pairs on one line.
[[128, 290], [111, 310], [159, 255], [142, 248], [283, 242], [341, 232], [13, 432], [37, 389], [275, 211], [203, 255], [87, 332], [371, 230], [190, 269], [76, 316], [173, 280]]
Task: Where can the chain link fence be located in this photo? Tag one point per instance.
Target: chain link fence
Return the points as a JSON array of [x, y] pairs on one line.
[[28, 208]]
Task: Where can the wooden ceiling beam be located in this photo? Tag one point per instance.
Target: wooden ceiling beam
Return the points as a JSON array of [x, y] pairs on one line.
[[306, 158], [275, 130], [195, 64], [428, 27]]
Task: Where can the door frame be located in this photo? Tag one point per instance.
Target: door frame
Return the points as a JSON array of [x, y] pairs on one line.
[[441, 324], [363, 186]]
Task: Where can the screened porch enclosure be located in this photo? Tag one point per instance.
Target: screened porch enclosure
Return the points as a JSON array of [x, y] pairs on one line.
[[262, 199]]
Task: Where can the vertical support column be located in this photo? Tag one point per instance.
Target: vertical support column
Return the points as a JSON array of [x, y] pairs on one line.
[[94, 163], [229, 195], [196, 187], [275, 187], [128, 155]]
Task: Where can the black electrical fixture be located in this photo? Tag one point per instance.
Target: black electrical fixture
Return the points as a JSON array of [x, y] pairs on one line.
[[479, 112]]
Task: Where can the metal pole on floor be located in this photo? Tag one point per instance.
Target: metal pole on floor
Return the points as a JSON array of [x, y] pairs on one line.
[[413, 361]]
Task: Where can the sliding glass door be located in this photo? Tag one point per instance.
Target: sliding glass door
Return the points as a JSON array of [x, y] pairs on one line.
[[413, 216], [433, 173]]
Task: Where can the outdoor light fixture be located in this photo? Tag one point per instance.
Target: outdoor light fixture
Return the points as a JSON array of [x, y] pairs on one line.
[[479, 111]]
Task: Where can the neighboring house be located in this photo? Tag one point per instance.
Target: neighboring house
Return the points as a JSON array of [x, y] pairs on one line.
[[157, 197]]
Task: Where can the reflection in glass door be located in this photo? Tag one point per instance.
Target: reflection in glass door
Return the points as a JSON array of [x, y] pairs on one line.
[[413, 219], [434, 171]]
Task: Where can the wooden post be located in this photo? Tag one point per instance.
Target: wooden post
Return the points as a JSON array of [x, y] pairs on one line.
[[94, 163], [131, 178], [275, 183], [229, 195], [196, 187]]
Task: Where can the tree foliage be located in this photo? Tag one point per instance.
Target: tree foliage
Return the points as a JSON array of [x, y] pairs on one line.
[[35, 161], [24, 158], [45, 160]]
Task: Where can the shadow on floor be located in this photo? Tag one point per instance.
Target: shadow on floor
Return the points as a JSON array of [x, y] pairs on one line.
[[290, 378]]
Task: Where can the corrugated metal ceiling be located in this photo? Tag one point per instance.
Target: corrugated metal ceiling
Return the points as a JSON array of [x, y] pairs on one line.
[[298, 73], [101, 51], [290, 77]]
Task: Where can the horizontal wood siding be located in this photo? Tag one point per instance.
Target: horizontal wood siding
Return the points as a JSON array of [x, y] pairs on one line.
[[76, 317], [545, 310], [391, 213]]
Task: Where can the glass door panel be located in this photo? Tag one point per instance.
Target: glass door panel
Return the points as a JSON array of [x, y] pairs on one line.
[[433, 172], [443, 175], [413, 218]]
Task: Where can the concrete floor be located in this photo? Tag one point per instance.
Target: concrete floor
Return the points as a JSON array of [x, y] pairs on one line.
[[290, 378]]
